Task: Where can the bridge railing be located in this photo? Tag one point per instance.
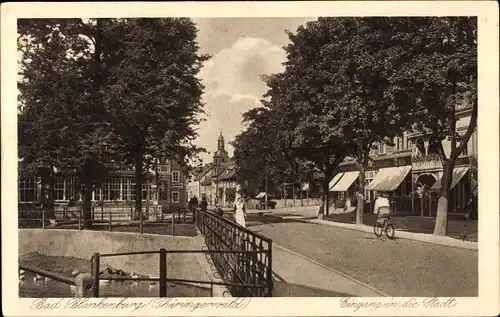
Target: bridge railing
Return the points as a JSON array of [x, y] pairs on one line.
[[162, 278], [238, 254]]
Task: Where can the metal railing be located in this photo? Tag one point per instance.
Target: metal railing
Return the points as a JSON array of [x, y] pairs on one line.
[[81, 283], [38, 217], [237, 254], [162, 279], [48, 274]]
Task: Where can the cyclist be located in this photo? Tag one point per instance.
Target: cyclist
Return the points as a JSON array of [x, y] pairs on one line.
[[382, 207]]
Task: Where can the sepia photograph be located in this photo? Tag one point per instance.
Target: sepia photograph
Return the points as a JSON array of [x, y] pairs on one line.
[[316, 156]]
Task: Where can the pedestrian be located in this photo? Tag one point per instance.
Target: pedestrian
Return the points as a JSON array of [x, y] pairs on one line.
[[240, 212], [219, 210], [347, 206], [203, 204]]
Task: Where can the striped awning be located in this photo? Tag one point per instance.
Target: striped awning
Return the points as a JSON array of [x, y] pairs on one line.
[[335, 180], [458, 174], [389, 178], [345, 181]]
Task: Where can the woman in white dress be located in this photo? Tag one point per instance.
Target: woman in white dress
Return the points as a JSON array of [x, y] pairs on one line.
[[239, 214]]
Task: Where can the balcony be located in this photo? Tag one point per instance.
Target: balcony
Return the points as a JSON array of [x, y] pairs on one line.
[[428, 162]]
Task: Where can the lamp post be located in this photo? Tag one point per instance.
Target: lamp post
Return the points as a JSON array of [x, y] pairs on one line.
[[265, 199]]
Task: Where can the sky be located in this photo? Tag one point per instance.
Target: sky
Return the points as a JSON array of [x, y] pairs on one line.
[[242, 50]]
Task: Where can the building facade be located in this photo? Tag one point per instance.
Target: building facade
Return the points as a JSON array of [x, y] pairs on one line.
[[215, 181], [411, 171], [165, 187]]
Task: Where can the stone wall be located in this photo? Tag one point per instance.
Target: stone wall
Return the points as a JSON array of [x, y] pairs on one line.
[[83, 244]]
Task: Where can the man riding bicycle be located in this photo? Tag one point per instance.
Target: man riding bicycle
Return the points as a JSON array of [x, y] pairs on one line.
[[382, 207]]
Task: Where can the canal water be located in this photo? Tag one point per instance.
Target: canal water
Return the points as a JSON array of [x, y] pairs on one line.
[[32, 287]]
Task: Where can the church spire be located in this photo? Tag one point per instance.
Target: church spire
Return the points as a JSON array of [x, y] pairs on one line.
[[220, 142]]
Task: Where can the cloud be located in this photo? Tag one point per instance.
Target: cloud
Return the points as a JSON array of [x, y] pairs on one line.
[[233, 85], [237, 69], [215, 34]]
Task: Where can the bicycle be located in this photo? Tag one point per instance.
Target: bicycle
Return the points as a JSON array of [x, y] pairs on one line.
[[386, 227]]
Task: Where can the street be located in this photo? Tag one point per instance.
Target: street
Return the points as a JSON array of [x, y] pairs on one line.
[[399, 267]]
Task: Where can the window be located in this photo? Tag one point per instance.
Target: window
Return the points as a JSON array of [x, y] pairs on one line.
[[163, 194], [145, 185], [69, 188], [98, 193], [111, 189], [410, 144], [132, 191], [115, 189], [164, 165], [381, 147], [367, 192], [28, 190], [59, 188], [369, 175], [175, 197], [125, 189], [175, 177]]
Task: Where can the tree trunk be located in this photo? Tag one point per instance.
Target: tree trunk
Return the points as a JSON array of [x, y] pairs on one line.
[[138, 186], [441, 226], [323, 207], [326, 189], [321, 211], [87, 205], [361, 188], [360, 197]]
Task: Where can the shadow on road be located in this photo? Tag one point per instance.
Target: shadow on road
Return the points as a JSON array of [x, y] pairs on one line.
[[256, 220]]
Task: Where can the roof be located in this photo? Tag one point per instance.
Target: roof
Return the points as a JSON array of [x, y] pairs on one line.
[[228, 174], [204, 170], [207, 181]]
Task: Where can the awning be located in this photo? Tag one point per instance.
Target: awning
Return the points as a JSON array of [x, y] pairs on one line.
[[262, 195], [345, 181], [458, 174], [388, 179], [335, 180]]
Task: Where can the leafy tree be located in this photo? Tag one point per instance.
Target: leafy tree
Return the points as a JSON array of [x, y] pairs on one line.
[[257, 149], [439, 75], [153, 94], [304, 98], [61, 115], [98, 91], [354, 61]]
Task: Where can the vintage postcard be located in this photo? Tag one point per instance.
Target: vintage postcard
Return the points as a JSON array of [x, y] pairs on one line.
[[250, 158]]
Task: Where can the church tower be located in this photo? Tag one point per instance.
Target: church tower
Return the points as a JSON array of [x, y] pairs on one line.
[[220, 142], [220, 156]]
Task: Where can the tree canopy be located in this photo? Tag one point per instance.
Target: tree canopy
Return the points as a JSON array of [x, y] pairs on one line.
[[100, 89], [350, 83]]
